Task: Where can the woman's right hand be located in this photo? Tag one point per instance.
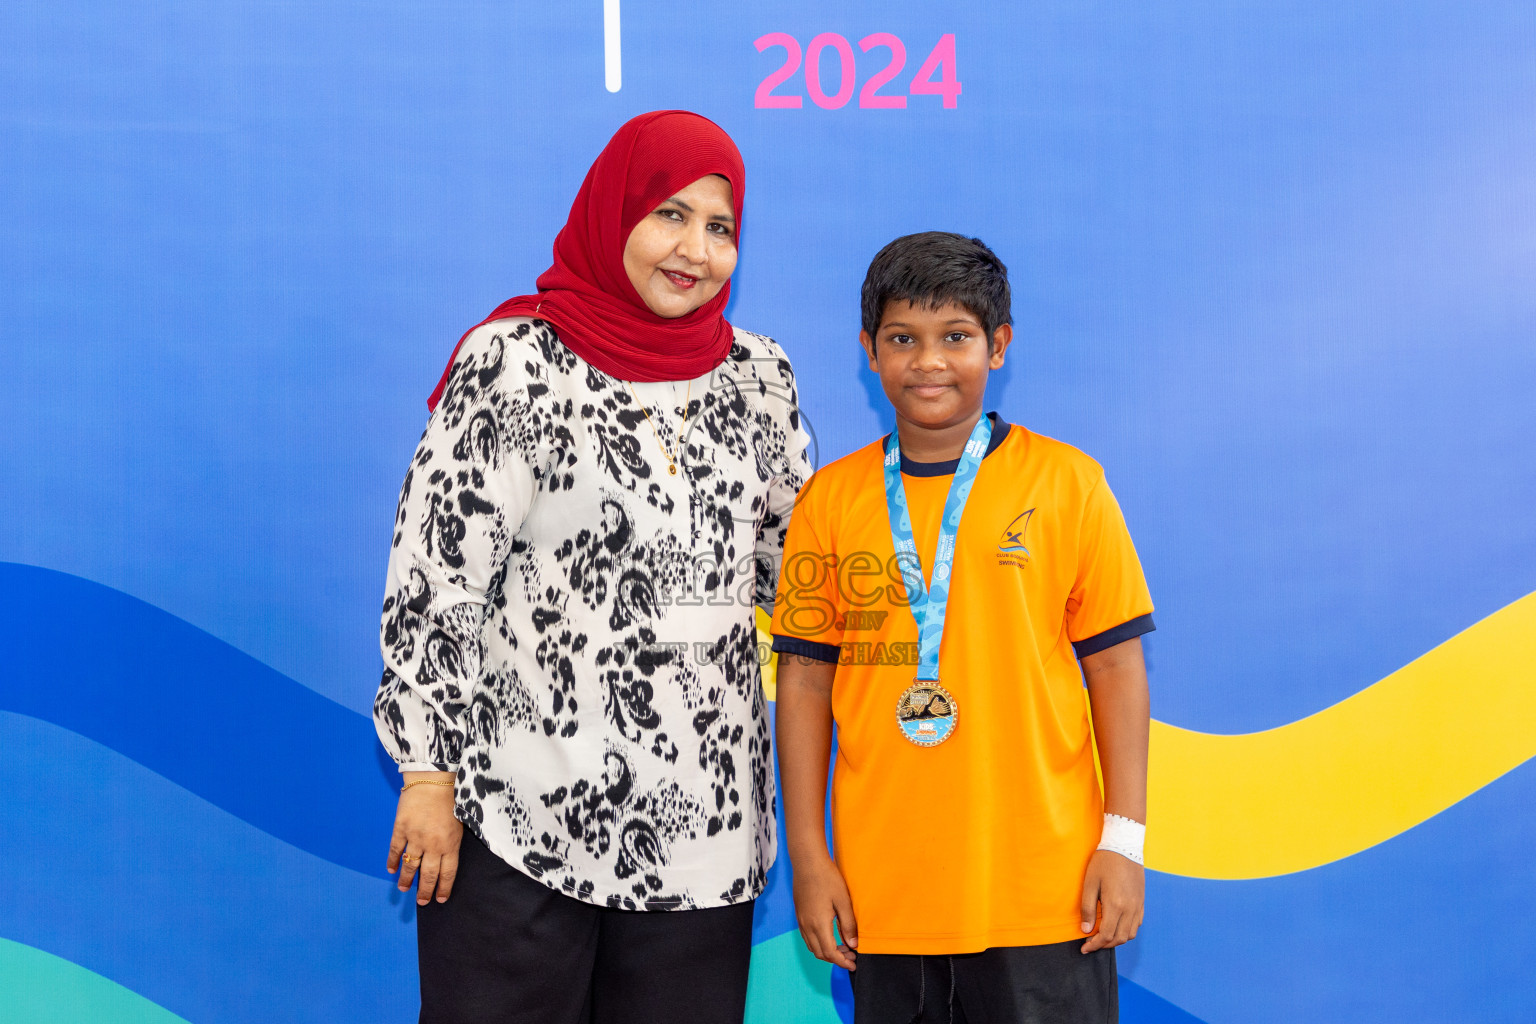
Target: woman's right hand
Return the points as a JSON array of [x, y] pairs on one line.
[[824, 908], [426, 838]]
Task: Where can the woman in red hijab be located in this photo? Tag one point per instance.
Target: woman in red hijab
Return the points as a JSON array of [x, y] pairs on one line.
[[571, 682]]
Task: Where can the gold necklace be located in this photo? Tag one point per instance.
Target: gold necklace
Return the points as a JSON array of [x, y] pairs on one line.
[[671, 461]]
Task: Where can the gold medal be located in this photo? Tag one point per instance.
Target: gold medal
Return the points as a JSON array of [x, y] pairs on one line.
[[927, 713]]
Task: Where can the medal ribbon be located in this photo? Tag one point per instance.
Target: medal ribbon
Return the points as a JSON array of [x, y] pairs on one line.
[[929, 602]]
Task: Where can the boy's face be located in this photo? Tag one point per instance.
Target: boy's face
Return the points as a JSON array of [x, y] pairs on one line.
[[933, 363]]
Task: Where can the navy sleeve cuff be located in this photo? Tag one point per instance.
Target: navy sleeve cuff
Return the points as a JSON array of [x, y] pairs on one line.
[[1107, 639], [806, 648]]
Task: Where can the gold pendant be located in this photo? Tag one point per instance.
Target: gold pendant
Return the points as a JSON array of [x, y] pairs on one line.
[[672, 468]]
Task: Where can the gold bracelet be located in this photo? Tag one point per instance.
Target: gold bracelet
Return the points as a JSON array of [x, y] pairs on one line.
[[427, 782]]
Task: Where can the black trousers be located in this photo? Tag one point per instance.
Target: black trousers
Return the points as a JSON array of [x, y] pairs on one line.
[[1053, 984], [505, 949]]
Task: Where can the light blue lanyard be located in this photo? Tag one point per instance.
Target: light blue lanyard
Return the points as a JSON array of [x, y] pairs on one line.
[[928, 603]]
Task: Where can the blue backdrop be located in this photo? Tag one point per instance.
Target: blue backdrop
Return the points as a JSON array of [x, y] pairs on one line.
[[1274, 266]]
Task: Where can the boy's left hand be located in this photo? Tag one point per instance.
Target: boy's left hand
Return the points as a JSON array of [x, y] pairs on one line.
[[1118, 885]]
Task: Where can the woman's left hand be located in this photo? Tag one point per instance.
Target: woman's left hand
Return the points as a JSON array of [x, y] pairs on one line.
[[426, 837]]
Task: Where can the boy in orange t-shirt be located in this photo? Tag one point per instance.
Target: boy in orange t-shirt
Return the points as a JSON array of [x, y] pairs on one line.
[[944, 595]]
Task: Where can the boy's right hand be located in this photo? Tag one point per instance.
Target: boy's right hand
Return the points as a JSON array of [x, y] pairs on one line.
[[824, 909]]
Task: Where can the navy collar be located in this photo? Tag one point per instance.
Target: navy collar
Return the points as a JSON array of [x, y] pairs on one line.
[[947, 468]]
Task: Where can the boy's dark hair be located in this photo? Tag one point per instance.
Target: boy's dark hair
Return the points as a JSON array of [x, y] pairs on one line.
[[931, 268]]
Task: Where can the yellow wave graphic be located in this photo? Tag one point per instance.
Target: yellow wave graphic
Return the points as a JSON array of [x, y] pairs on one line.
[[770, 667], [1350, 776], [1353, 775]]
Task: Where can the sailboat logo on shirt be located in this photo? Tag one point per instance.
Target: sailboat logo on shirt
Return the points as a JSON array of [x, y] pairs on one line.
[[1013, 535]]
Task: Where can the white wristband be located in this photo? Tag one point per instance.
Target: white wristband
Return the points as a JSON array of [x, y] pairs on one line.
[[1124, 836]]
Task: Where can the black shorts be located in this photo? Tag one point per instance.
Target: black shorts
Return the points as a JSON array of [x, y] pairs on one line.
[[505, 949], [1054, 984]]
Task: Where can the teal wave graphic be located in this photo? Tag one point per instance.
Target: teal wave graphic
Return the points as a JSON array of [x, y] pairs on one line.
[[41, 988], [137, 880]]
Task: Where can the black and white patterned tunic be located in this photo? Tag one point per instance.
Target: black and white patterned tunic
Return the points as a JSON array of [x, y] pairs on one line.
[[569, 626]]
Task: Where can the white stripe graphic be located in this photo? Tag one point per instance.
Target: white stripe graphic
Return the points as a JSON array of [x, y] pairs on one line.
[[612, 66]]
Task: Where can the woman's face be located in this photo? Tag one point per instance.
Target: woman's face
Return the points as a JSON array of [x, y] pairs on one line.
[[681, 254]]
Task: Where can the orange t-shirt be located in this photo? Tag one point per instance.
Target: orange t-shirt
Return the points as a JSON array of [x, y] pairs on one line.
[[981, 840]]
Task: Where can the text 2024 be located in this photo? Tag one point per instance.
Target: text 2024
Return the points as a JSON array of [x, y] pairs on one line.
[[936, 76]]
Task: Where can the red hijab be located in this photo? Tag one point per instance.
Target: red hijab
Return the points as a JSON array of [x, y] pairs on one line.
[[586, 294]]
